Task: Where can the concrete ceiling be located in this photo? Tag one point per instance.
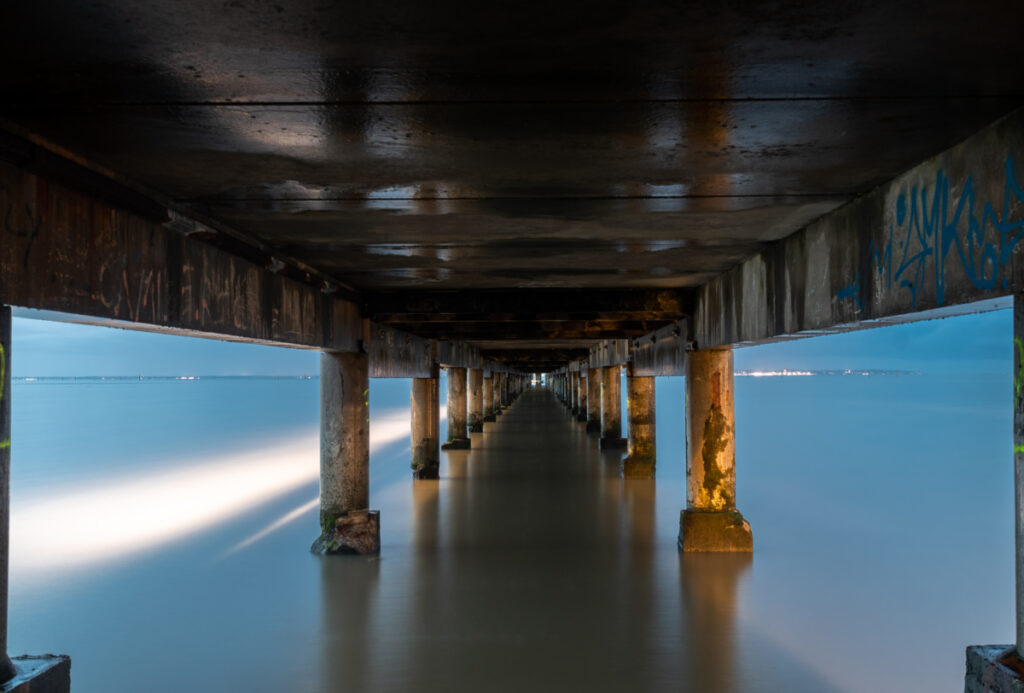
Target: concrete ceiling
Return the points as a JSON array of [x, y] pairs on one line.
[[418, 147]]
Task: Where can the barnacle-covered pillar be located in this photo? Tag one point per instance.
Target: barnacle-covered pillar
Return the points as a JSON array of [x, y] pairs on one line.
[[426, 426], [346, 522], [640, 459], [711, 521], [458, 438]]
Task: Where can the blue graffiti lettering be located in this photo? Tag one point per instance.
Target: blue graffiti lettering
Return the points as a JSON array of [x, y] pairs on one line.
[[929, 229]]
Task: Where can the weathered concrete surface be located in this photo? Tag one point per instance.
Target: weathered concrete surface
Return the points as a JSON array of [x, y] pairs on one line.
[[662, 352], [584, 380], [475, 400], [942, 235], [396, 354], [40, 674], [353, 532], [993, 669], [458, 433], [488, 397], [594, 378], [344, 441], [641, 453], [611, 409], [64, 251], [710, 521], [426, 426]]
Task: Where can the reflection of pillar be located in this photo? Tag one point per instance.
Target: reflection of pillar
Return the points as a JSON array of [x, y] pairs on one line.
[[458, 438], [347, 524], [711, 521], [983, 672], [476, 401], [640, 406], [709, 585], [581, 414], [348, 596], [611, 409], [426, 427], [489, 398], [594, 400]]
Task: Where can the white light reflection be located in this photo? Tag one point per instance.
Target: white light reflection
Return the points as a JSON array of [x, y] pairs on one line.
[[114, 518]]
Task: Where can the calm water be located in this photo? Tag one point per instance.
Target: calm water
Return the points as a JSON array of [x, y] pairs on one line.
[[160, 534]]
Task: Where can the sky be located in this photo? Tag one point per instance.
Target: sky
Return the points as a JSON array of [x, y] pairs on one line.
[[979, 343]]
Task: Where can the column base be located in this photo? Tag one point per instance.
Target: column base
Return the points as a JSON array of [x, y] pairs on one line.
[[714, 530], [993, 669], [490, 418], [432, 471], [637, 468], [607, 443], [457, 444], [39, 674], [476, 427], [354, 532], [593, 426]]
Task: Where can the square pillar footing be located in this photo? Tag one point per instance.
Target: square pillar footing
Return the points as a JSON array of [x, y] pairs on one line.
[[714, 530], [40, 674], [457, 444], [355, 532], [993, 669]]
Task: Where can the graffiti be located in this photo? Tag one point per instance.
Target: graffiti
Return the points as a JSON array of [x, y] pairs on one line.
[[30, 233], [932, 232]]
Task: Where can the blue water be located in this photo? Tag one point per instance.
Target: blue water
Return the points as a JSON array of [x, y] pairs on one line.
[[881, 508]]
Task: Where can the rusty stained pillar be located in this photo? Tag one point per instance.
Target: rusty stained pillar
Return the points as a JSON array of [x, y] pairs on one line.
[[346, 522], [475, 416], [594, 378], [488, 397], [640, 407], [426, 426], [581, 413], [458, 437], [711, 521], [611, 409]]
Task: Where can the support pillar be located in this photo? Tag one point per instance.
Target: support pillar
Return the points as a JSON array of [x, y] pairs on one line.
[[50, 673], [498, 378], [476, 400], [640, 407], [503, 392], [574, 393], [489, 399], [611, 409], [1001, 667], [458, 438], [711, 521], [426, 426], [347, 525], [594, 378], [581, 414]]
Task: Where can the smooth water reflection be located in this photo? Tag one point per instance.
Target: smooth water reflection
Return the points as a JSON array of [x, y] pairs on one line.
[[882, 518]]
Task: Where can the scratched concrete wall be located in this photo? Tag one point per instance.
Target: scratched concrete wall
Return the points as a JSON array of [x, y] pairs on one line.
[[943, 235], [64, 251]]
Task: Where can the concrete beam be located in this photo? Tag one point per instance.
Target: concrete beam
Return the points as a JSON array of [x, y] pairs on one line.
[[662, 352], [69, 252], [532, 330], [529, 305], [395, 354], [931, 242], [610, 352]]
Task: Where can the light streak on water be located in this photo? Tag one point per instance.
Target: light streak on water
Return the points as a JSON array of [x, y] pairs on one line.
[[119, 516]]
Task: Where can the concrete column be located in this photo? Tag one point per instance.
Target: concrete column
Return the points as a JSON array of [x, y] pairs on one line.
[[476, 400], [611, 409], [640, 407], [458, 437], [503, 393], [581, 414], [426, 426], [346, 522], [574, 394], [7, 670], [488, 397], [711, 521], [498, 377], [594, 378]]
